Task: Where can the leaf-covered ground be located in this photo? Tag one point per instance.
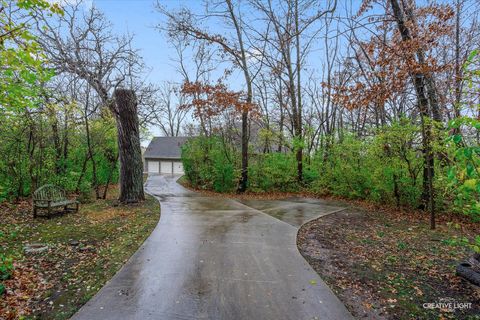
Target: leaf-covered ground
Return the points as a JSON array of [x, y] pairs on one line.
[[385, 264], [85, 250]]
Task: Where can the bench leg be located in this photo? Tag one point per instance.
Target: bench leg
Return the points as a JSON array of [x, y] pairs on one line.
[[49, 211], [34, 211], [76, 207]]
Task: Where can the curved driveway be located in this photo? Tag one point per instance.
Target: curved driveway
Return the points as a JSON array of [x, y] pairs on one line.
[[214, 258]]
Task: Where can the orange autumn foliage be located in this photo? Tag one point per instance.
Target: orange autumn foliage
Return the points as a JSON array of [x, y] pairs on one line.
[[211, 100], [386, 63]]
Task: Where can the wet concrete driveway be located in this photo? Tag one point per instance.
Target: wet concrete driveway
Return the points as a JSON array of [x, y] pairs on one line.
[[213, 258]]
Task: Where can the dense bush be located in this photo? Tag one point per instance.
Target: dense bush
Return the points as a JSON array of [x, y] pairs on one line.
[[32, 153], [386, 167], [463, 175], [210, 164], [462, 179], [272, 172]]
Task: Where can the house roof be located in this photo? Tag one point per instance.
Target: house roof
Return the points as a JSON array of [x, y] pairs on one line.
[[165, 148]]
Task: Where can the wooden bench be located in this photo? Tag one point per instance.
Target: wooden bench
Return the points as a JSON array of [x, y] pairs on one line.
[[48, 197]]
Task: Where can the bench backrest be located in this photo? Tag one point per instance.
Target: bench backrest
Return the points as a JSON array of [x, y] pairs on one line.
[[49, 192]]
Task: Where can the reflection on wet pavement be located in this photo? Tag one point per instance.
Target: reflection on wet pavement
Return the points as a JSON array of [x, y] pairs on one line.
[[214, 258], [294, 213]]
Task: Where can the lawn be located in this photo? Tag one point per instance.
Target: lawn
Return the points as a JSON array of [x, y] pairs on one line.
[[85, 250]]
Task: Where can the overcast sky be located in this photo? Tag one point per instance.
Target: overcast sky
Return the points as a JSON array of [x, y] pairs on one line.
[[139, 17]]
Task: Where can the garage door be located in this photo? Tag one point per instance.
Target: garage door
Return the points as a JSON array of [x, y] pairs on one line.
[[177, 167], [166, 167], [153, 167]]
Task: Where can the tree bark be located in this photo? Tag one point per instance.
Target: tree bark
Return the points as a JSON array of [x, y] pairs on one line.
[[428, 79], [299, 119], [458, 65], [91, 157], [420, 83], [130, 154]]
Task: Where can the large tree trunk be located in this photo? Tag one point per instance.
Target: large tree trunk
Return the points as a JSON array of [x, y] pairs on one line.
[[421, 84], [130, 154]]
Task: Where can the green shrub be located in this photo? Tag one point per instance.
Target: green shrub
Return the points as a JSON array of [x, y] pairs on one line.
[[273, 172], [6, 267], [384, 168], [462, 181], [209, 163], [463, 175]]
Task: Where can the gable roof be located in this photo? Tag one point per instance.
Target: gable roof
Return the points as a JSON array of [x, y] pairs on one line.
[[165, 148]]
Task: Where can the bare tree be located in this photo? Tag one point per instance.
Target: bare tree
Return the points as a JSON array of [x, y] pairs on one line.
[[288, 23], [171, 115], [234, 47], [81, 43], [194, 62]]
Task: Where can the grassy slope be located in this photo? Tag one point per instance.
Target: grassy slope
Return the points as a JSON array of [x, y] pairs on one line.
[[53, 285]]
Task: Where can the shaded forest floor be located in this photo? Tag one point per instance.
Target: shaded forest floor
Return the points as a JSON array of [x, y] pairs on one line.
[[386, 264], [85, 250], [383, 262]]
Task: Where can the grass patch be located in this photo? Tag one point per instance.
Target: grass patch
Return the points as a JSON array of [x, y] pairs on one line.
[[85, 250]]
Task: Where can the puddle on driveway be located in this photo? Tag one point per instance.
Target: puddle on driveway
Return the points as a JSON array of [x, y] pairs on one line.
[[295, 212]]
